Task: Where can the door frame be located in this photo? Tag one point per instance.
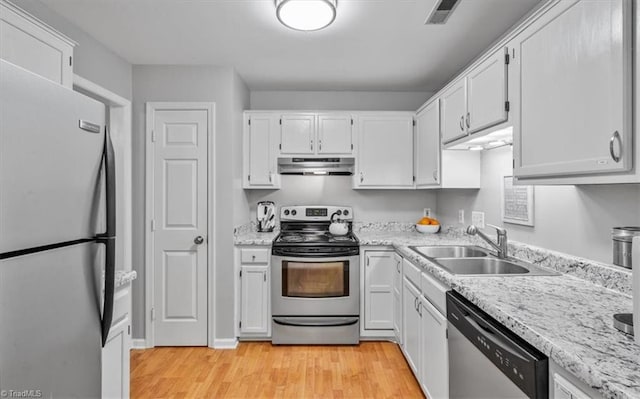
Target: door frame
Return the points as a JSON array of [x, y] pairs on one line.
[[151, 108]]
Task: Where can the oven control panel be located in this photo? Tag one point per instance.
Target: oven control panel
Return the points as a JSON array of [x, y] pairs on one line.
[[315, 213]]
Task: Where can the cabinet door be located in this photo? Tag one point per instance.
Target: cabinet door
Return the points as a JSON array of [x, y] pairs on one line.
[[297, 134], [397, 298], [427, 153], [378, 295], [453, 109], [32, 45], [254, 285], [411, 325], [434, 364], [487, 93], [335, 134], [115, 363], [385, 151], [260, 159], [574, 90]]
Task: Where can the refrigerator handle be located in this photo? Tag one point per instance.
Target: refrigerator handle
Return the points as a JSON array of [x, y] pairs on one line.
[[109, 238]]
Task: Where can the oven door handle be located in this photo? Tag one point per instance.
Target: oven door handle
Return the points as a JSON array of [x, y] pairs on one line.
[[316, 321]]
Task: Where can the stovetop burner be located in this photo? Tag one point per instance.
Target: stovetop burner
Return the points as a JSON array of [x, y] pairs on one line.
[[308, 226], [320, 238]]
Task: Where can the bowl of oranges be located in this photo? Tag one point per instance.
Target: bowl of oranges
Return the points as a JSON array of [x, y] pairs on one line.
[[428, 225]]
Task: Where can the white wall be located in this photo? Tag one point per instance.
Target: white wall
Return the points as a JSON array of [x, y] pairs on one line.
[[240, 102], [572, 219], [192, 83], [368, 205], [92, 59], [339, 100]]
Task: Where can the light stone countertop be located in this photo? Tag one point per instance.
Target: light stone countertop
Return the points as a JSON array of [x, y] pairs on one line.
[[567, 317], [125, 277]]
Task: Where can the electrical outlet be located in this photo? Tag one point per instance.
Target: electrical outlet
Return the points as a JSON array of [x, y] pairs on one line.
[[461, 216], [477, 219], [426, 212]]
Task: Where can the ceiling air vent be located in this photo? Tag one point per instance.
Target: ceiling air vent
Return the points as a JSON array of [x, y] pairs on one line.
[[441, 12]]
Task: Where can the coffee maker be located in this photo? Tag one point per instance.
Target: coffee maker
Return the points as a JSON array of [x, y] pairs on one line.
[[266, 216]]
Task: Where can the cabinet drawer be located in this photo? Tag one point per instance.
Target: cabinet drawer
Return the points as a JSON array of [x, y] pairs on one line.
[[434, 291], [411, 272], [254, 255]]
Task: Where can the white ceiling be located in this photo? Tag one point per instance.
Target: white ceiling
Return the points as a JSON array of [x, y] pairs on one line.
[[372, 45]]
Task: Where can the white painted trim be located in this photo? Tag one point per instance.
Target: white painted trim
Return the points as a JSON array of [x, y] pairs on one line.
[[39, 23], [120, 125], [151, 108], [138, 343], [226, 343]]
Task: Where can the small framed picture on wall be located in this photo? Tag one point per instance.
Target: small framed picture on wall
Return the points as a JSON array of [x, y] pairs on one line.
[[517, 203]]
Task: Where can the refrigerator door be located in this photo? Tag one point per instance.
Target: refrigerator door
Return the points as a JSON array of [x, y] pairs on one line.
[[49, 167], [49, 313]]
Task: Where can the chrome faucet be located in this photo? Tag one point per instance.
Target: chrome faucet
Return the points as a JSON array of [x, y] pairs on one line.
[[500, 245]]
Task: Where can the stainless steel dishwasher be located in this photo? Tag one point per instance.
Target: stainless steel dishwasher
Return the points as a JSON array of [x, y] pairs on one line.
[[486, 361]]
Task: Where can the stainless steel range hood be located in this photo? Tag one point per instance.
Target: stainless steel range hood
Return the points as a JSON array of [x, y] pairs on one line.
[[316, 166]]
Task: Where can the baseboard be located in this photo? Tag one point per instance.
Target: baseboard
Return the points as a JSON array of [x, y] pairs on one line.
[[138, 343], [227, 343]]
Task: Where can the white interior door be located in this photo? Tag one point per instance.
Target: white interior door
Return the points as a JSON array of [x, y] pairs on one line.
[[179, 227]]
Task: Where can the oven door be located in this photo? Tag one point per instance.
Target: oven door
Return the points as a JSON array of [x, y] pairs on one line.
[[322, 286]]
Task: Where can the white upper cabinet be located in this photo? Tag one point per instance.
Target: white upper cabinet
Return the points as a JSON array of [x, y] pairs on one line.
[[477, 101], [335, 134], [573, 73], [259, 161], [453, 111], [297, 134], [31, 44], [316, 134], [487, 93], [427, 146], [385, 151]]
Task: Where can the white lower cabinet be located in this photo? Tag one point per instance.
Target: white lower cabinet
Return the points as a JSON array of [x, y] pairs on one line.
[[115, 354], [397, 298], [411, 325], [378, 295], [255, 282], [434, 357], [424, 330]]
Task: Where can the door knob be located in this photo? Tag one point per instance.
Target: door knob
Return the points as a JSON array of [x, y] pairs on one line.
[[198, 240]]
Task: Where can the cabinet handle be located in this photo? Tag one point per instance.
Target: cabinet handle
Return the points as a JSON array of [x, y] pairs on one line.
[[361, 177], [311, 143], [435, 175], [614, 138], [264, 276], [319, 145], [415, 304], [468, 120], [462, 123], [270, 177], [419, 308], [398, 266]]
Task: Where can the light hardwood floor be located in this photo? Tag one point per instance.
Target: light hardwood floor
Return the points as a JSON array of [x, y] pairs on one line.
[[260, 370]]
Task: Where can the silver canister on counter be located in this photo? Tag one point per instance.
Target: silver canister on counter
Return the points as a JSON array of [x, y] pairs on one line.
[[622, 242]]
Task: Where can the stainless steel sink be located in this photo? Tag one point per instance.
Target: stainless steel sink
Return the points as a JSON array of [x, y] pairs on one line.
[[451, 251], [490, 266]]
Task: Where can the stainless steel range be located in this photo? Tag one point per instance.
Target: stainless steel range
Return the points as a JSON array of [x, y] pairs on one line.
[[315, 278]]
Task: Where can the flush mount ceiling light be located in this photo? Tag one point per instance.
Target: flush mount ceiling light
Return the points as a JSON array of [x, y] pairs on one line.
[[306, 15]]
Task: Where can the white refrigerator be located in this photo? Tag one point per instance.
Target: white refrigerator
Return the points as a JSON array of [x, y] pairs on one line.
[[57, 238]]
